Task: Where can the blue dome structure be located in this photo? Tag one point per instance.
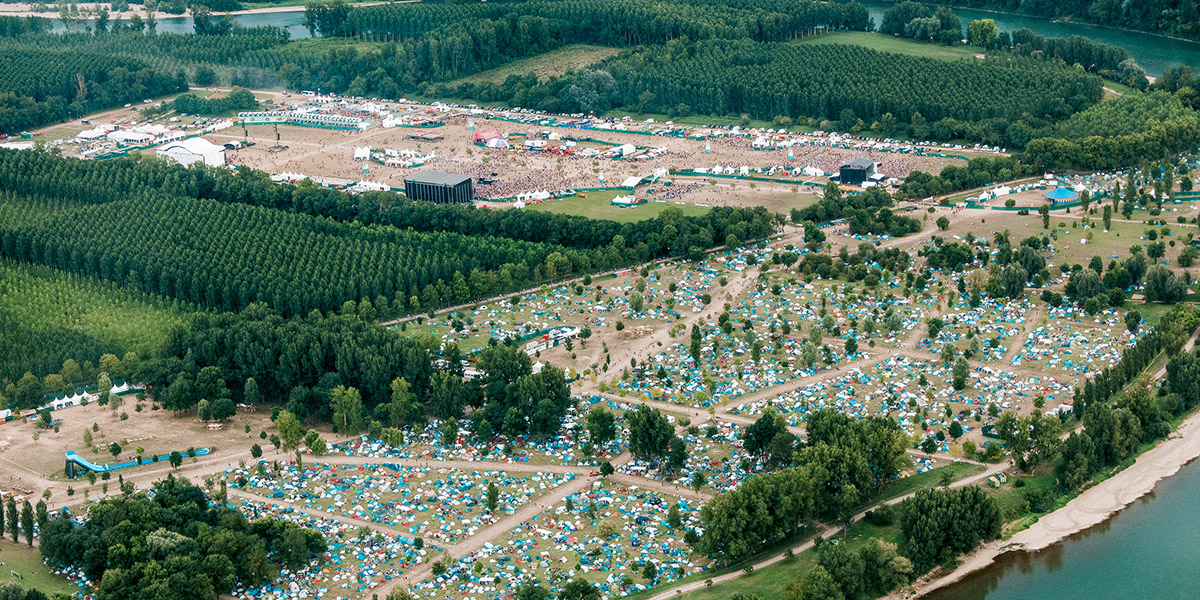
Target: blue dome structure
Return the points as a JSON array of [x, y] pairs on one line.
[[1062, 194]]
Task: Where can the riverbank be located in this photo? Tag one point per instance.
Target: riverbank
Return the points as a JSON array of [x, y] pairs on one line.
[[1090, 508], [26, 10]]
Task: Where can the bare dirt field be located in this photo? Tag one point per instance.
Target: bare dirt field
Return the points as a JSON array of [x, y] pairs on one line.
[[330, 153], [28, 461]]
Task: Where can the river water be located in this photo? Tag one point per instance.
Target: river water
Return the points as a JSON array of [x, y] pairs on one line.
[[1154, 53], [292, 21], [1147, 551]]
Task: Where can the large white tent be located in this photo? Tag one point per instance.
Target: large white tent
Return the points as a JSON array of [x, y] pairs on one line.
[[186, 152]]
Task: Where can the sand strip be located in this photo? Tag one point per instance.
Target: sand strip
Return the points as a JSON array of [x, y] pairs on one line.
[[1094, 506]]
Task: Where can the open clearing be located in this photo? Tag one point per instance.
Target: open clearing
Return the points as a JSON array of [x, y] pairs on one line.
[[551, 64], [887, 43], [598, 205], [28, 563]]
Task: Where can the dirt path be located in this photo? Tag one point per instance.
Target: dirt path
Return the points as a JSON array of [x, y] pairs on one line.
[[1027, 328]]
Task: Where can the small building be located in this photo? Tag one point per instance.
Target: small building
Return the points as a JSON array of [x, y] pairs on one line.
[[856, 171], [186, 152], [439, 187]]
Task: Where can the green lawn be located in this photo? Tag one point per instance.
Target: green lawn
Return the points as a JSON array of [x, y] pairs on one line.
[[598, 205], [887, 43], [28, 561], [551, 64], [928, 479]]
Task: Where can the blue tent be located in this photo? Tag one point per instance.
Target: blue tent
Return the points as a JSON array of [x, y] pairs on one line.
[[1062, 194]]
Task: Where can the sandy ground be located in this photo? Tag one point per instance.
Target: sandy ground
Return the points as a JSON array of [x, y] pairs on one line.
[[32, 465], [330, 153]]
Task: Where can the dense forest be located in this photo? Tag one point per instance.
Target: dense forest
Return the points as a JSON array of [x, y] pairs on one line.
[[41, 87], [221, 240], [174, 542], [229, 255]]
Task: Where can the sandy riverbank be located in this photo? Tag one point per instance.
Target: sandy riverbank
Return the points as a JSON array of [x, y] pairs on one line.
[[1094, 506]]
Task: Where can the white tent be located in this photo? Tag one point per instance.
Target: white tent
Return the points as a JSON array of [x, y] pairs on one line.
[[362, 153], [129, 137], [497, 143], [186, 152], [812, 171], [631, 181], [624, 150], [92, 134]]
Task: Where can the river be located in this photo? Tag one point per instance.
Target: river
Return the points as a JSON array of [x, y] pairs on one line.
[[1146, 551], [1154, 53], [292, 21]]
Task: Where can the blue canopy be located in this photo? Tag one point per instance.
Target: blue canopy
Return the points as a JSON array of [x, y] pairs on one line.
[[1062, 193]]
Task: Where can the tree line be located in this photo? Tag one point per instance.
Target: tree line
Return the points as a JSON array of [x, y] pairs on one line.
[[14, 26], [1120, 410], [611, 244], [765, 80]]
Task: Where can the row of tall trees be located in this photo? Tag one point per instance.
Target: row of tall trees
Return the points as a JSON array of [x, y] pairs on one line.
[[615, 23], [227, 256], [48, 179], [764, 80]]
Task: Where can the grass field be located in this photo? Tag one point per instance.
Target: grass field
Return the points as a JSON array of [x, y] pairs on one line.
[[27, 561], [49, 316], [553, 63], [887, 43], [597, 206]]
